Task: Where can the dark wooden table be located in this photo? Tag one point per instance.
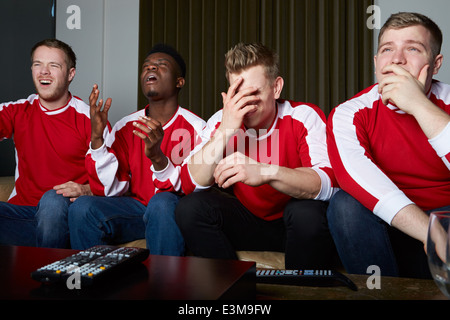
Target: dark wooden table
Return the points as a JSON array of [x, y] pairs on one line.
[[189, 278], [158, 278]]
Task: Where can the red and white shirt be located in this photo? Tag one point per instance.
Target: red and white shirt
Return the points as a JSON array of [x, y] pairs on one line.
[[51, 145], [381, 156], [296, 138], [121, 165]]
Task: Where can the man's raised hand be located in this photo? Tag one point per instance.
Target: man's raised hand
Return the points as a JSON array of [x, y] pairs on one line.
[[99, 117]]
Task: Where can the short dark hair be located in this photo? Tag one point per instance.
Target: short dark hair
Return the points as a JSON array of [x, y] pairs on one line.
[[408, 19], [71, 58], [167, 49]]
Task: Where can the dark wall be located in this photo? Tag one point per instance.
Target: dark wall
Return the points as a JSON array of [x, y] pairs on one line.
[[22, 24]]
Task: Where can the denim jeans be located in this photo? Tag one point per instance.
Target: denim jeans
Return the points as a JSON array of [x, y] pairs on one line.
[[363, 239], [117, 220], [162, 234], [95, 220], [44, 225]]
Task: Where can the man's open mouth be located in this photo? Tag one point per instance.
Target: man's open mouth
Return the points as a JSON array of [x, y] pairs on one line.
[[45, 82], [151, 78]]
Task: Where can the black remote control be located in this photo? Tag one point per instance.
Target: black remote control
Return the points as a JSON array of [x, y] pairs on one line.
[[317, 278], [91, 264]]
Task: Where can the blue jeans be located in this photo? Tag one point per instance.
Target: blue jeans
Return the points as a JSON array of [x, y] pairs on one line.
[[117, 220], [44, 225], [162, 234], [363, 239], [105, 220]]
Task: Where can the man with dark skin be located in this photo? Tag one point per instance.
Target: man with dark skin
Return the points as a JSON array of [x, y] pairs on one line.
[[139, 145]]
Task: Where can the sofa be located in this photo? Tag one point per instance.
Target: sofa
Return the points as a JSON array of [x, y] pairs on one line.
[[263, 259], [6, 187]]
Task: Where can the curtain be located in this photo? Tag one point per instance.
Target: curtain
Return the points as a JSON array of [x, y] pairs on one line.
[[325, 47]]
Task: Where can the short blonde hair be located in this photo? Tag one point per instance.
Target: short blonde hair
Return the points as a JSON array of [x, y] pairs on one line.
[[246, 55]]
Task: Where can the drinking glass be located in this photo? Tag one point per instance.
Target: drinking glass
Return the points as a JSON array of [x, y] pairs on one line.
[[438, 249]]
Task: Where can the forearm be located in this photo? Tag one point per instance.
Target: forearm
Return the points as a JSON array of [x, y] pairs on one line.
[[413, 221], [103, 170], [96, 142], [168, 179], [435, 124], [299, 183], [431, 118], [159, 161], [98, 138], [203, 163]]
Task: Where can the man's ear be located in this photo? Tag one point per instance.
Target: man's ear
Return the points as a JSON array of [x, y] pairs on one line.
[[180, 82], [437, 63], [278, 87], [72, 73], [375, 63]]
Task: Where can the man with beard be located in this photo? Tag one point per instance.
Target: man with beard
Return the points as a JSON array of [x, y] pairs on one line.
[[51, 132], [122, 167]]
